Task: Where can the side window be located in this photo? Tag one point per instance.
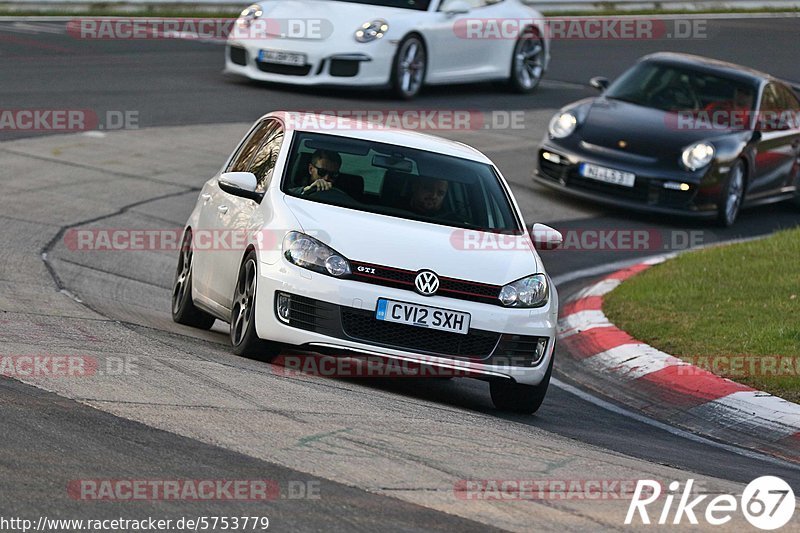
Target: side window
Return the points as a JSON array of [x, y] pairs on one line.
[[266, 156], [790, 99], [773, 107], [242, 158]]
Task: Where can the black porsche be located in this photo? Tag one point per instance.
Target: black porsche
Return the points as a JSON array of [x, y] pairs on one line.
[[679, 134]]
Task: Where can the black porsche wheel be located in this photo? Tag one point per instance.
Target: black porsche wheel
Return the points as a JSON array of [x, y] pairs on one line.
[[527, 63], [183, 308], [244, 339], [408, 68], [511, 396], [732, 195]]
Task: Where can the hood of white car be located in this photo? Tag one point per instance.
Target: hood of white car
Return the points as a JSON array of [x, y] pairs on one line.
[[331, 18], [410, 245]]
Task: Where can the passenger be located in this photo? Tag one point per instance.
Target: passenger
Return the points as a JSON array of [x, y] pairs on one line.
[[427, 196], [734, 112]]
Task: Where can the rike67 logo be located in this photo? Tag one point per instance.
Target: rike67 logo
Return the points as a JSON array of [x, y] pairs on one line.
[[767, 503]]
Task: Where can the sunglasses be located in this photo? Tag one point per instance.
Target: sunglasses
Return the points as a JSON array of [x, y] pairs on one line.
[[324, 172]]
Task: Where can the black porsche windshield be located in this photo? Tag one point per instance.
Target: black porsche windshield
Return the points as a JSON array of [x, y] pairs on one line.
[[419, 5], [398, 181], [675, 88]]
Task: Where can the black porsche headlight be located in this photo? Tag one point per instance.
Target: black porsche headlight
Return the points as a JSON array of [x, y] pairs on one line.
[[698, 155]]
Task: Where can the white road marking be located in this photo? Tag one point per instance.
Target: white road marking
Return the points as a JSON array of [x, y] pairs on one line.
[[608, 406]]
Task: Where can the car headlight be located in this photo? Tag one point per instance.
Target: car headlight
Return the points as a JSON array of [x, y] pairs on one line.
[[307, 252], [370, 31], [250, 14], [526, 292], [562, 125], [698, 155]]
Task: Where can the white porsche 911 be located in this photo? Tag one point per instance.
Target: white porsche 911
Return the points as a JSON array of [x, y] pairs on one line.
[[402, 44], [370, 240]]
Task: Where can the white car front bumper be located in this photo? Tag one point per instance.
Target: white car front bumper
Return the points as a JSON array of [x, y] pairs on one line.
[[326, 63], [339, 296]]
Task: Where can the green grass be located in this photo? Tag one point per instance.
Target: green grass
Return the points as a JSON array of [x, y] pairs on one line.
[[112, 9], [706, 306]]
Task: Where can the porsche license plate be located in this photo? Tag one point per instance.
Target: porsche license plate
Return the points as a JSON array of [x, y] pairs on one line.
[[607, 175]]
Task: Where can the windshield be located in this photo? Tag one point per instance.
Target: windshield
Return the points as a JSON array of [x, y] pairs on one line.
[[398, 181], [676, 89], [419, 5]]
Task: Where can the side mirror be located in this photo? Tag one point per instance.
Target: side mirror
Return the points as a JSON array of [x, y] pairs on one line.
[[600, 83], [455, 7], [241, 184], [545, 237]]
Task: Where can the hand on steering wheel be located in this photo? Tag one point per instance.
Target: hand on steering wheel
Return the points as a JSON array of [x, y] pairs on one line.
[[318, 186]]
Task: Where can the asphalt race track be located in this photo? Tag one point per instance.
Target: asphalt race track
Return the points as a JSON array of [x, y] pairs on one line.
[[380, 454]]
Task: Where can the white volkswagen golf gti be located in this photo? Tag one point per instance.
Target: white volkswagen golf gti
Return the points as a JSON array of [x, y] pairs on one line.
[[403, 44], [361, 239]]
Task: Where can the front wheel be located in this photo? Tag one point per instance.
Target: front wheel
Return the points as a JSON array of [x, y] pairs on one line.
[[244, 339], [732, 195], [509, 395], [527, 63], [408, 68]]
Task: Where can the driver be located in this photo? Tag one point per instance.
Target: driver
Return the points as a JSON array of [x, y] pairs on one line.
[[322, 172]]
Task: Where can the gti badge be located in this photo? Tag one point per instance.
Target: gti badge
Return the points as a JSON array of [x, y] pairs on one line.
[[427, 283]]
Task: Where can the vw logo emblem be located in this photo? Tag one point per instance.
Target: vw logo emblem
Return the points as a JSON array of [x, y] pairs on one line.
[[427, 283]]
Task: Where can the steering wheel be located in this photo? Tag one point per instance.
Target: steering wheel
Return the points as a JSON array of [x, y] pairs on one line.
[[332, 195], [676, 97]]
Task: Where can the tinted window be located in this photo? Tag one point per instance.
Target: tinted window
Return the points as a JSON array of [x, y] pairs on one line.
[[419, 5], [405, 183], [263, 162], [241, 161], [677, 88]]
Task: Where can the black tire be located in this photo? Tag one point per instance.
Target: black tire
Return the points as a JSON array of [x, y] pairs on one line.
[[508, 395], [409, 68], [183, 308], [732, 195], [244, 339], [527, 63]]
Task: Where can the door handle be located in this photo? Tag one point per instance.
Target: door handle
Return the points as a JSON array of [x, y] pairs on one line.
[[206, 197], [223, 209]]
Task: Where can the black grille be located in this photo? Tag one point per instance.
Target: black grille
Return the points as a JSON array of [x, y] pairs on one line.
[[519, 350], [238, 55], [362, 325], [309, 314], [344, 68], [288, 70], [673, 198], [404, 279]]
